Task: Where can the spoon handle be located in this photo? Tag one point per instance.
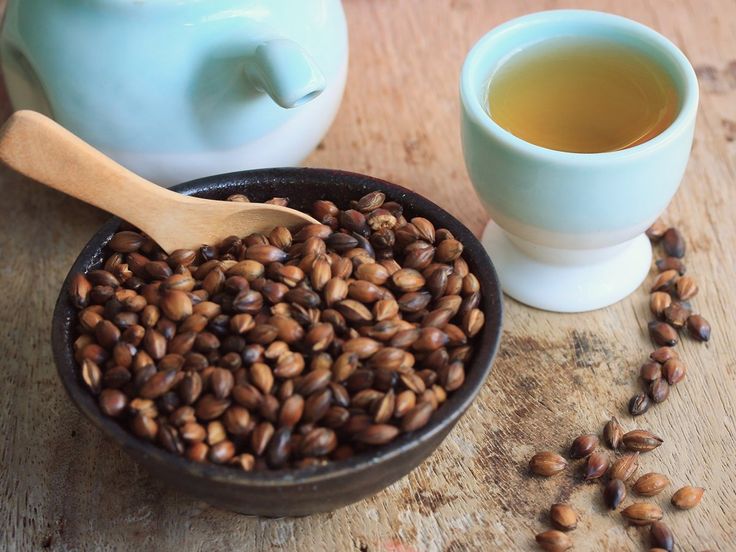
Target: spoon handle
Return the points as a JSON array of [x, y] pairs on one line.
[[43, 150]]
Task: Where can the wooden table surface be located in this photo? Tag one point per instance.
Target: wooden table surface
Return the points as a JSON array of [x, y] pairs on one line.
[[64, 487]]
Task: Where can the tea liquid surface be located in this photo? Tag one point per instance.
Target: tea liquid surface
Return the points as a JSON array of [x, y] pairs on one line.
[[582, 95]]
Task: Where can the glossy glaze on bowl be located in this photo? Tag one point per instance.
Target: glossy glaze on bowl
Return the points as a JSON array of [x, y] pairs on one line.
[[316, 489]]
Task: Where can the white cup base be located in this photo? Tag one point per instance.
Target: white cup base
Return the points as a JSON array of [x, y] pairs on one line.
[[568, 287]]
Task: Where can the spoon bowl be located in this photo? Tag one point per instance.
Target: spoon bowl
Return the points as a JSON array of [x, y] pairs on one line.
[[41, 149]]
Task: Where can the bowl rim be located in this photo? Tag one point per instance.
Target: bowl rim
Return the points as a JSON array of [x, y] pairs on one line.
[[455, 406]]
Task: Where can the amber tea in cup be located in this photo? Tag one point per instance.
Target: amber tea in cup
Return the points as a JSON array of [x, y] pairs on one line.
[[576, 128], [582, 95]]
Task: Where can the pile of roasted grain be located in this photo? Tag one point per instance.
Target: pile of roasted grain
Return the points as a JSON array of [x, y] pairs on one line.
[[282, 350]]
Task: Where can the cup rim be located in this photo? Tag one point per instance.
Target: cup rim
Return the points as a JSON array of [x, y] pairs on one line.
[[476, 111]]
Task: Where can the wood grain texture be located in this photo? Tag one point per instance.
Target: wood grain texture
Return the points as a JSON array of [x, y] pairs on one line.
[[65, 488]]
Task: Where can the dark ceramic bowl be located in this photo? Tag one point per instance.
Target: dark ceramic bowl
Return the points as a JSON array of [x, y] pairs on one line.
[[309, 490]]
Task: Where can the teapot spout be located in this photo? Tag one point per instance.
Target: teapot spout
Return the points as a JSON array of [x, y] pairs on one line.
[[286, 72]]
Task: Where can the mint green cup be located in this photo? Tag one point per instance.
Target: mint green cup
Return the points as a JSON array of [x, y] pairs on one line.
[[567, 228]]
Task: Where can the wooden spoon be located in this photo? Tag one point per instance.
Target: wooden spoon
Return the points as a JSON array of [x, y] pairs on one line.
[[39, 148]]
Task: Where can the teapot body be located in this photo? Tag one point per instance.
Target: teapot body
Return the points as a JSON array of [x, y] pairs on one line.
[[163, 87]]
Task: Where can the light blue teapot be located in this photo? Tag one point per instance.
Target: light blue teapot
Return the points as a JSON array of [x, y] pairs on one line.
[[177, 89]]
